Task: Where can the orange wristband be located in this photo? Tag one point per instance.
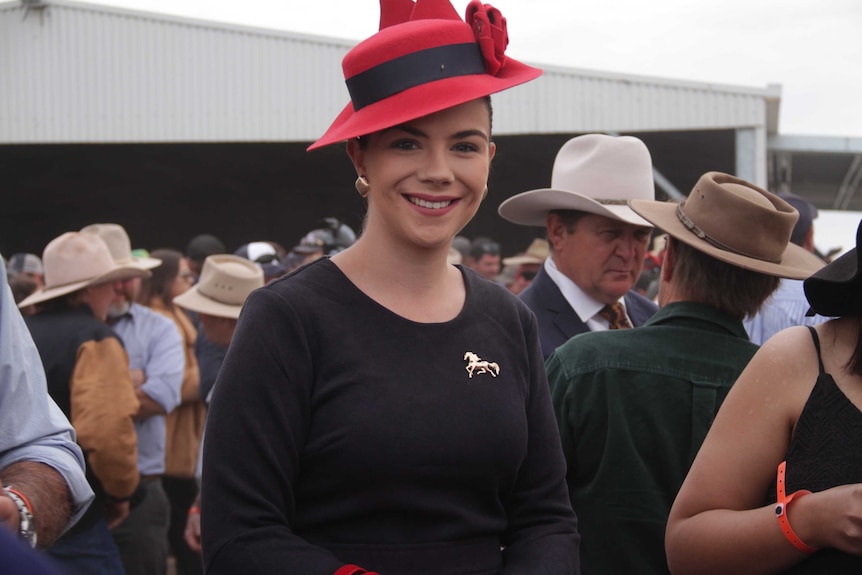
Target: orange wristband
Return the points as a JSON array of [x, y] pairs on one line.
[[23, 497], [194, 510], [781, 511]]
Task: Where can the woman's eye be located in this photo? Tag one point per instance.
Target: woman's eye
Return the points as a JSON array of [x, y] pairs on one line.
[[405, 144], [466, 147]]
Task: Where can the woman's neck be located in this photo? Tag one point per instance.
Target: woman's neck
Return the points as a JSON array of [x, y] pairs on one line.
[[417, 284]]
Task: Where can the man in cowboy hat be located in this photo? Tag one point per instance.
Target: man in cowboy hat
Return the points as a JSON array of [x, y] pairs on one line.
[[634, 406], [520, 270], [88, 376], [597, 242], [226, 281], [157, 364], [39, 459]]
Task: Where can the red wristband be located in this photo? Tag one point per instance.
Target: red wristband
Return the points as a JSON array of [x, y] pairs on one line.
[[781, 511], [194, 510], [349, 570]]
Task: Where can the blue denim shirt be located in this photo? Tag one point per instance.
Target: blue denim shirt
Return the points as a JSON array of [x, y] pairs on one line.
[[32, 427], [633, 407]]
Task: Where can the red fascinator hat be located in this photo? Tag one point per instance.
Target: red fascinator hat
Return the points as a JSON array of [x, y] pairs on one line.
[[424, 59]]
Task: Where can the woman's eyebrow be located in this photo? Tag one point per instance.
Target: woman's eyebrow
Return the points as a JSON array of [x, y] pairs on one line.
[[468, 133], [406, 128], [420, 134]]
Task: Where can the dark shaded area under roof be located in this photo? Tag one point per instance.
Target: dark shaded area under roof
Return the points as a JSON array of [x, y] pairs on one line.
[[166, 193]]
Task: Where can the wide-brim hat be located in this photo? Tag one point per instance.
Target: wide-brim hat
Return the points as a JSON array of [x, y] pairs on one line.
[[225, 283], [120, 246], [836, 289], [538, 251], [736, 222], [76, 260], [593, 173], [423, 60]]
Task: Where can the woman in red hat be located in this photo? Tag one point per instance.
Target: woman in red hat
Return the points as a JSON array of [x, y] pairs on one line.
[[381, 411]]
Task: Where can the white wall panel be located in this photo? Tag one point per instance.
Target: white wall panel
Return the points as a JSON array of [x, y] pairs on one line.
[[74, 72]]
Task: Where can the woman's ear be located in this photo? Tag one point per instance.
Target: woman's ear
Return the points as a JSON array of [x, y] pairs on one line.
[[492, 150], [357, 156]]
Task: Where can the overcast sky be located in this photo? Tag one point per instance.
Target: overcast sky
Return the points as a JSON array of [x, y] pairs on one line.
[[812, 48]]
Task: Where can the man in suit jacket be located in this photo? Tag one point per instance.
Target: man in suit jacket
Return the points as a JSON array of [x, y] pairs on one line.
[[597, 242]]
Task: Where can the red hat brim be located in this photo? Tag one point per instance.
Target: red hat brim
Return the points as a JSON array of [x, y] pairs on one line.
[[423, 100]]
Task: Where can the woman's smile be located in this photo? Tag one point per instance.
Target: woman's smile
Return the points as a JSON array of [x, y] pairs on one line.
[[434, 205]]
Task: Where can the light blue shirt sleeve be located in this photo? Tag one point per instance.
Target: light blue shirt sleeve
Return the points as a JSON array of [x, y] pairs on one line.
[[785, 307], [32, 427], [154, 344]]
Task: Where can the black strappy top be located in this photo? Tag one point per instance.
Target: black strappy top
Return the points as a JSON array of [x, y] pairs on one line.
[[825, 451]]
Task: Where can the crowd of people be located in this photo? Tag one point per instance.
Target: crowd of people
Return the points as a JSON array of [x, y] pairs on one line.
[[648, 387]]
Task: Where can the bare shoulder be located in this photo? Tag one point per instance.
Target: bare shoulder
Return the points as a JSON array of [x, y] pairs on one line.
[[788, 359], [775, 384]]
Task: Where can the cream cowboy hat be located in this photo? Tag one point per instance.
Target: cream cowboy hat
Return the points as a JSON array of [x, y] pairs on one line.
[[76, 260], [735, 222], [225, 283], [594, 173], [121, 247], [537, 253]]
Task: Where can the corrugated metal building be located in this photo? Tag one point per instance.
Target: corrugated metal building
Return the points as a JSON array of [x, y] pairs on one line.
[[174, 126]]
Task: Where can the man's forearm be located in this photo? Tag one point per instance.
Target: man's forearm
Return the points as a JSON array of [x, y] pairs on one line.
[[149, 407], [48, 494]]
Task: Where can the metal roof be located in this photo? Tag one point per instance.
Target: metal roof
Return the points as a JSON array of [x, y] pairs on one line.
[[74, 72]]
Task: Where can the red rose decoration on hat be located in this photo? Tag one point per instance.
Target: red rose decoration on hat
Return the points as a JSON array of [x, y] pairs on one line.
[[489, 26]]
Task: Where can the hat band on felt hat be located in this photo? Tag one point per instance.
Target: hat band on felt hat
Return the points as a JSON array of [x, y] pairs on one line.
[[695, 229], [414, 69]]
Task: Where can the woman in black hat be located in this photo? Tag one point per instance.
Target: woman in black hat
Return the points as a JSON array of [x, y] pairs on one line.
[[777, 485], [380, 410]]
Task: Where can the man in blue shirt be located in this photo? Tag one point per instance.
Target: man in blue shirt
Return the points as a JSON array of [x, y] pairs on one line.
[[157, 363], [787, 306], [634, 406], [39, 458]]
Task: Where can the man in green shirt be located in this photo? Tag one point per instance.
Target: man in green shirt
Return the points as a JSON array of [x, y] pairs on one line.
[[634, 405]]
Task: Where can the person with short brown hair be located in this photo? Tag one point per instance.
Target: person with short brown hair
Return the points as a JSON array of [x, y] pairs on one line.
[[633, 406]]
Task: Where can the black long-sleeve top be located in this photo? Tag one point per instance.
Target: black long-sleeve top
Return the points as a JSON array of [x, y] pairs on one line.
[[342, 433]]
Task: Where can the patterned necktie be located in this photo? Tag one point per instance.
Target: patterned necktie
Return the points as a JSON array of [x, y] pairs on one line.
[[616, 316]]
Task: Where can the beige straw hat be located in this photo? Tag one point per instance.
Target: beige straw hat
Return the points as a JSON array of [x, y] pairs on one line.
[[225, 283], [537, 253], [121, 247], [76, 260]]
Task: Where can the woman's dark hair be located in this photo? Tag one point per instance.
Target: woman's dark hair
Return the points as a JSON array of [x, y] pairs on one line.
[[161, 282], [854, 365]]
